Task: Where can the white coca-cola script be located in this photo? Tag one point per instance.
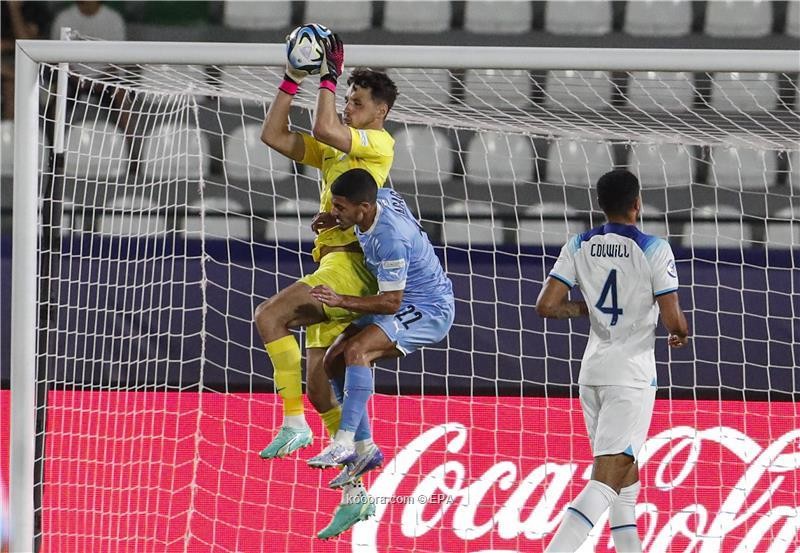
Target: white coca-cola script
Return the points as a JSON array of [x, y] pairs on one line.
[[762, 504]]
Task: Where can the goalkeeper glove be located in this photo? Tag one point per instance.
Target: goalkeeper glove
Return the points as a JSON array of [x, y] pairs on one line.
[[291, 80], [332, 63], [291, 77]]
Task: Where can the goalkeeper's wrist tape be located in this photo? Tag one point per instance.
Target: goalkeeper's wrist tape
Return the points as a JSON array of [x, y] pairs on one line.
[[288, 86], [330, 84]]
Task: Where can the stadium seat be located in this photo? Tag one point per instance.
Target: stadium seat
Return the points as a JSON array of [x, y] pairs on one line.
[[175, 78], [749, 92], [289, 226], [793, 19], [794, 171], [535, 231], [137, 216], [416, 17], [498, 88], [222, 219], [475, 227], [71, 218], [577, 163], [6, 147], [575, 17], [728, 18], [498, 158], [705, 231], [481, 16], [783, 231], [655, 228], [95, 150], [652, 18], [657, 91], [422, 155], [421, 87], [742, 167], [660, 165], [340, 15], [257, 14], [246, 158], [245, 82], [578, 90], [175, 153]]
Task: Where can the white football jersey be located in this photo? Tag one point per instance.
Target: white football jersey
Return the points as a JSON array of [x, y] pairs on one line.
[[621, 271]]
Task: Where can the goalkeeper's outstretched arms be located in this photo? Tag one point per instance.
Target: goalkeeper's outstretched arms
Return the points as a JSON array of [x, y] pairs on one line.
[[674, 320], [328, 129], [275, 131]]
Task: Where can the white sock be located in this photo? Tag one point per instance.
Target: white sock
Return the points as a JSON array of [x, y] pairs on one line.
[[581, 516], [622, 520], [350, 491], [298, 422], [344, 437], [364, 446]]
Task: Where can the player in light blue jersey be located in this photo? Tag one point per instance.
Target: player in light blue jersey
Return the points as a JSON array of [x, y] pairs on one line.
[[626, 277], [414, 307]]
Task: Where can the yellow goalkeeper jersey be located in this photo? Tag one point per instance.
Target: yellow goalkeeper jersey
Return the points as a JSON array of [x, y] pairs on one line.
[[371, 149]]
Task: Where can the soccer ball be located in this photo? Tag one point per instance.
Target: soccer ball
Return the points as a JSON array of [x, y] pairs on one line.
[[305, 47]]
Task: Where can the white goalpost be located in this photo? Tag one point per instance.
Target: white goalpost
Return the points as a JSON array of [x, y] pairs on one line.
[[149, 221]]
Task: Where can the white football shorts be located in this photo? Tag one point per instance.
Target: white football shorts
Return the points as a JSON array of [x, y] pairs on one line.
[[617, 418]]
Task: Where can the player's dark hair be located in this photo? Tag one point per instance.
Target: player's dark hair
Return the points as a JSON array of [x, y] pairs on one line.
[[380, 85], [357, 185], [617, 191]]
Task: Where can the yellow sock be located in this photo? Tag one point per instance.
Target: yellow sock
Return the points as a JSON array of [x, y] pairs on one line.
[[285, 356], [332, 418]]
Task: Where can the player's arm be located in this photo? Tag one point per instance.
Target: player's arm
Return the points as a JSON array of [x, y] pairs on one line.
[[553, 302], [328, 129], [392, 257], [665, 290], [674, 320], [275, 131], [384, 303]]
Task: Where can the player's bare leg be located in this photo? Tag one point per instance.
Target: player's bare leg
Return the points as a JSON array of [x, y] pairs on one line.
[[359, 351], [290, 308], [615, 471], [355, 346], [609, 474], [369, 456]]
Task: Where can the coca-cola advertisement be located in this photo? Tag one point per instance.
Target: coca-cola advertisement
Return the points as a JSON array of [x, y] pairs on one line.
[[170, 471]]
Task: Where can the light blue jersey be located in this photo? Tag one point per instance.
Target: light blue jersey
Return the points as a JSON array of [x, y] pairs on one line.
[[400, 255]]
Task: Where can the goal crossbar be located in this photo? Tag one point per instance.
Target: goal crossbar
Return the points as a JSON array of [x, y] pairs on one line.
[[452, 57]]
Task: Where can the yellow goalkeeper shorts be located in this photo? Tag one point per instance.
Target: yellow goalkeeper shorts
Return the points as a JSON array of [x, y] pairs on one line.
[[345, 273]]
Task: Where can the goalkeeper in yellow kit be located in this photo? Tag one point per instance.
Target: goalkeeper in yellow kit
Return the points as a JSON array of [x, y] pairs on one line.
[[358, 141]]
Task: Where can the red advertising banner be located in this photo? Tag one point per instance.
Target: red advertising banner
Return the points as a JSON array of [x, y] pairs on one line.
[[169, 471]]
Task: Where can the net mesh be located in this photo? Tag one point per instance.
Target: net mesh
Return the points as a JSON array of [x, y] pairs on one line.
[[166, 221]]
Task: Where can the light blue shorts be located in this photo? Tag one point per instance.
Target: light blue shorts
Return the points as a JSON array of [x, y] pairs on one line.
[[413, 327]]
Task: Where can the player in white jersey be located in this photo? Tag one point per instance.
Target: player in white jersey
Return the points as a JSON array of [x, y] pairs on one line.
[[626, 277]]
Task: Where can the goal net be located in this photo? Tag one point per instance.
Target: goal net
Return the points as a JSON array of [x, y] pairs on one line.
[[163, 221]]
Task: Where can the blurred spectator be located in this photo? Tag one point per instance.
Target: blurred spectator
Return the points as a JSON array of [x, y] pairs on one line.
[[18, 21], [93, 20], [186, 12], [90, 19]]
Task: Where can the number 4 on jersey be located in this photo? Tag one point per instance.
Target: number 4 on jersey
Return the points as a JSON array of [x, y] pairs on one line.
[[610, 287]]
